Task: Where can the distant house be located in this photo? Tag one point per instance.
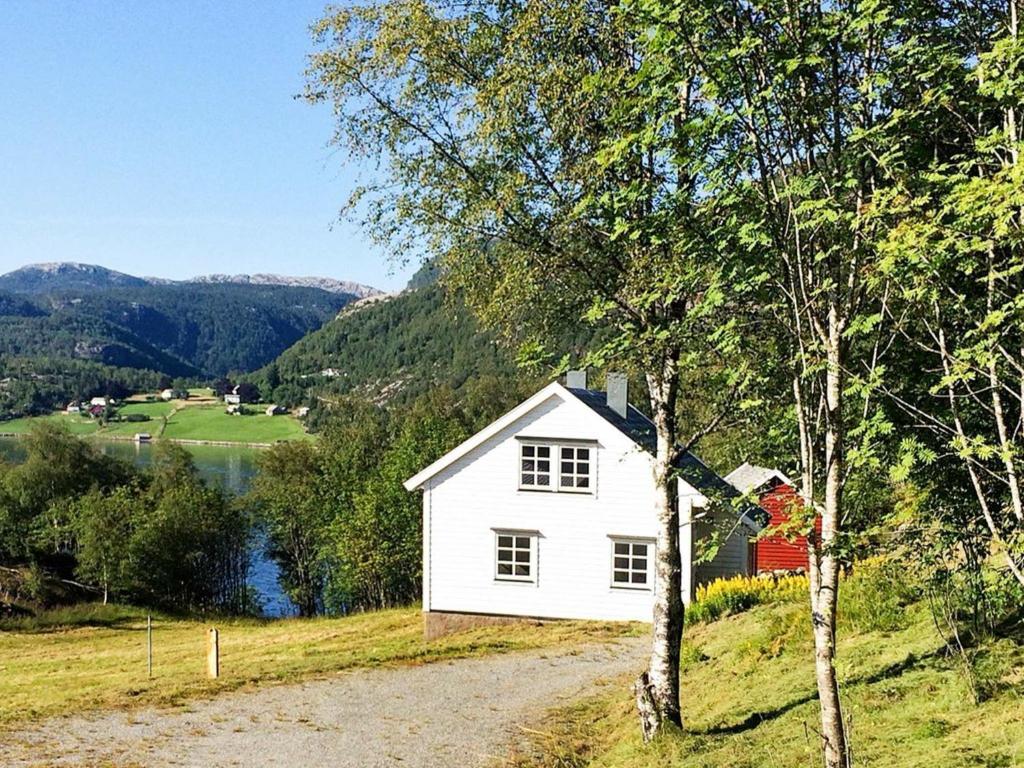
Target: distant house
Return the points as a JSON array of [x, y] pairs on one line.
[[778, 496], [233, 398], [96, 411], [74, 407], [275, 410], [142, 437], [549, 512], [100, 401], [302, 412], [167, 394]]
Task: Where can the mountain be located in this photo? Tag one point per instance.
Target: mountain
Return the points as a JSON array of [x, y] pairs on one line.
[[66, 328], [72, 276], [65, 276], [323, 283]]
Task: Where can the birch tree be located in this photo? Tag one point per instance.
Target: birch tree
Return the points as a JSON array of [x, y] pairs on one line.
[[954, 248], [803, 85], [556, 174]]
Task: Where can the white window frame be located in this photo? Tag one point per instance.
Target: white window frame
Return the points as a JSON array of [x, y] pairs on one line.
[[575, 461], [632, 541], [531, 548], [552, 475], [555, 465]]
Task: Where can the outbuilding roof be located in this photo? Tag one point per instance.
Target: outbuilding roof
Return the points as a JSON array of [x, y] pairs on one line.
[[749, 477]]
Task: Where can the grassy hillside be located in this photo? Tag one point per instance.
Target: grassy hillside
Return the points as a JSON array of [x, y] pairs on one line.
[[95, 656], [749, 700]]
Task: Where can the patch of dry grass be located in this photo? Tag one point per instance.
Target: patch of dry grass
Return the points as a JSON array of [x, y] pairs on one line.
[[96, 658]]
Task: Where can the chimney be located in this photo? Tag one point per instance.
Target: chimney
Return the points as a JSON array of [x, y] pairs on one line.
[[576, 379], [617, 393]]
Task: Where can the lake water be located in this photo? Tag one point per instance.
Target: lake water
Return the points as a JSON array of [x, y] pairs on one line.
[[229, 468]]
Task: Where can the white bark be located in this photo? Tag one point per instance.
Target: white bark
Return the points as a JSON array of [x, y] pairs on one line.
[[657, 689], [825, 568]]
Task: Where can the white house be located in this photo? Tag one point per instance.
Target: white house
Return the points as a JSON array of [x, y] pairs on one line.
[[100, 401], [167, 394], [232, 398], [549, 513]]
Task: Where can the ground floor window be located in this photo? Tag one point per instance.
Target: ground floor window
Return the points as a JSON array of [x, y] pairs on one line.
[[632, 563], [516, 556]]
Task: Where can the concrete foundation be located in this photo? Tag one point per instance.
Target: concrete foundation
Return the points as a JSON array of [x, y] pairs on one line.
[[440, 623]]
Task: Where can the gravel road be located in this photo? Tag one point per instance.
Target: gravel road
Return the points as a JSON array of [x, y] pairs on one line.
[[457, 713]]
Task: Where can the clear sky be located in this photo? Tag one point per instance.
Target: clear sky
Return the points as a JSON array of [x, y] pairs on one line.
[[164, 139]]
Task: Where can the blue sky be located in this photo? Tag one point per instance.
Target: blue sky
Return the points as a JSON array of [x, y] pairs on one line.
[[164, 139]]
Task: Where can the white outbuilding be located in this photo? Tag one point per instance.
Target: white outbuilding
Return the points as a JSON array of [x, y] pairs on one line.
[[549, 512]]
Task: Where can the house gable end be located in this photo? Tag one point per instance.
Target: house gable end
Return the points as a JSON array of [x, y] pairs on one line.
[[523, 423]]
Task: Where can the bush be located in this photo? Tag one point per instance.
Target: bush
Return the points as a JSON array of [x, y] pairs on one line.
[[723, 597], [134, 417], [876, 596]]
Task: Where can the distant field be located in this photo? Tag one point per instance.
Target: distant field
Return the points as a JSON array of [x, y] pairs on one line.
[[211, 422], [94, 657], [74, 424], [188, 420]]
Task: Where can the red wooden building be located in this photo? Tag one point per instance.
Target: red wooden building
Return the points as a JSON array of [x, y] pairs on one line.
[[777, 495]]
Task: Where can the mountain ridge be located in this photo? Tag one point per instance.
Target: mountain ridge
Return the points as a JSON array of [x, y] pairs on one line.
[[44, 277]]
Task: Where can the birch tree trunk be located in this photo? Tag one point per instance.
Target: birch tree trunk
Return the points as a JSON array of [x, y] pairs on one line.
[[825, 565], [657, 689]]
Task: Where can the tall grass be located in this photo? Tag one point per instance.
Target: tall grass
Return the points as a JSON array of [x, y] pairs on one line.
[[724, 597]]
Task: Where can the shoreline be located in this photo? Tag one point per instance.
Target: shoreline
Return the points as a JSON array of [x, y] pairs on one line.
[[178, 440]]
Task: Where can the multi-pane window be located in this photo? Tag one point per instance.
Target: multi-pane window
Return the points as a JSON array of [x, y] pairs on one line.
[[554, 467], [535, 467], [574, 469], [631, 563], [516, 557]]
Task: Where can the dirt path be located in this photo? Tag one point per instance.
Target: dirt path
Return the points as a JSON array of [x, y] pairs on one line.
[[458, 713]]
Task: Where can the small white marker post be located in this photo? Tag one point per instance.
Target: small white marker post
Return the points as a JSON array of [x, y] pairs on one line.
[[213, 653], [149, 644]]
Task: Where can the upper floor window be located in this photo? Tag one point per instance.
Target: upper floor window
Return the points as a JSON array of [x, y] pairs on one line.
[[554, 467], [574, 469], [535, 467]]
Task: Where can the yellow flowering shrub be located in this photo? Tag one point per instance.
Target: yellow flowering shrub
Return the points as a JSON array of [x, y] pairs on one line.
[[740, 593]]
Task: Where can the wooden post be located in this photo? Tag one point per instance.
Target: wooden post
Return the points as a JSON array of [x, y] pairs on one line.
[[149, 644], [213, 653]]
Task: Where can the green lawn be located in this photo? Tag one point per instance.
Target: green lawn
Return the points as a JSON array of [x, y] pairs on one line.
[[95, 656], [211, 422], [749, 701], [75, 424], [184, 422]]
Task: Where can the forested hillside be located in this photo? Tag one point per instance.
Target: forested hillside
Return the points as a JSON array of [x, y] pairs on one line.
[[59, 321], [214, 328], [394, 348]]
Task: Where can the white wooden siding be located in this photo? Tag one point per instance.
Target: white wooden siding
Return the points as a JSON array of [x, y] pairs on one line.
[[479, 493], [732, 556]]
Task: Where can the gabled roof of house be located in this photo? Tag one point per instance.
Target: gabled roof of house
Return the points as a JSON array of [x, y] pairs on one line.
[[636, 426], [749, 477], [641, 430]]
